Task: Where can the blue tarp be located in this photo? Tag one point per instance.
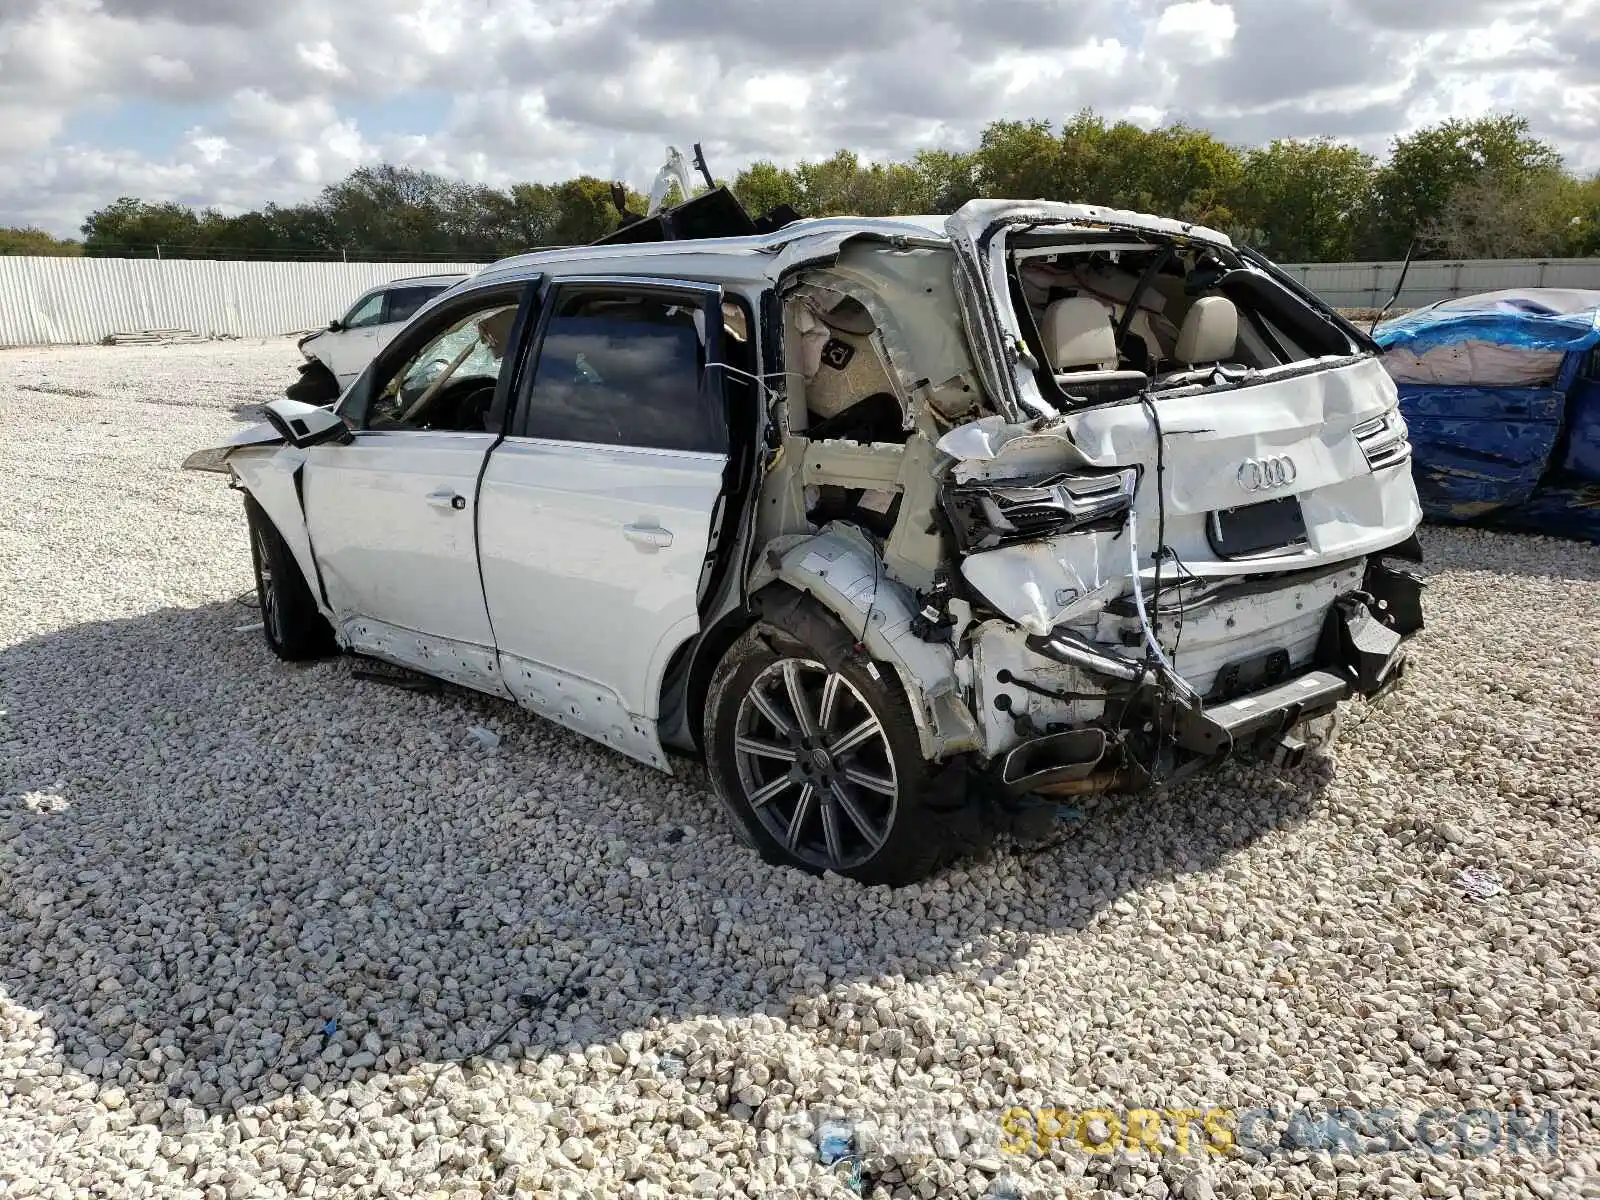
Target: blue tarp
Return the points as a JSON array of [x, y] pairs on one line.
[[1476, 449], [1521, 456], [1532, 318], [1583, 430]]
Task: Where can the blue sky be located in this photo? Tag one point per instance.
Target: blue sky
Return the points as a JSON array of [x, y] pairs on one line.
[[235, 103]]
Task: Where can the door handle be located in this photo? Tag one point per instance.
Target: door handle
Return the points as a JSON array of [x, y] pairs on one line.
[[650, 537], [445, 498]]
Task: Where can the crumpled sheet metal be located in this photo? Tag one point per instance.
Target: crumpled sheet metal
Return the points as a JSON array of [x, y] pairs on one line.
[[1477, 449]]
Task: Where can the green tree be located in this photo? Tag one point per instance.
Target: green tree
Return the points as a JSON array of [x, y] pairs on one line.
[[1019, 159], [1412, 189], [390, 208], [1305, 200], [764, 185], [1481, 187], [1585, 227], [585, 211], [946, 179], [28, 240], [131, 227], [1545, 215]]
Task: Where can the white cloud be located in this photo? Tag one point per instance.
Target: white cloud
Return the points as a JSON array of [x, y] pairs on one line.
[[323, 58], [1196, 31], [263, 102], [167, 70]]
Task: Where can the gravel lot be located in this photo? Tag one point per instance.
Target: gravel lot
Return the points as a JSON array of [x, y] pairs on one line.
[[248, 913]]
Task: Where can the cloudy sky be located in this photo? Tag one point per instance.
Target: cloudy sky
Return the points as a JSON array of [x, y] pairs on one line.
[[237, 102]]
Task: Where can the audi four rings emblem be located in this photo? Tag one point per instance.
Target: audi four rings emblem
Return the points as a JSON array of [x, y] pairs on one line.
[[1264, 474]]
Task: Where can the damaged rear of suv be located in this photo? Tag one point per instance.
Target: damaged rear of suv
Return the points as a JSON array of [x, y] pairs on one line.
[[1112, 498], [910, 526]]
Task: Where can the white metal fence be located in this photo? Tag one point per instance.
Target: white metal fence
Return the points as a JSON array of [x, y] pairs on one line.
[[61, 301], [1370, 284]]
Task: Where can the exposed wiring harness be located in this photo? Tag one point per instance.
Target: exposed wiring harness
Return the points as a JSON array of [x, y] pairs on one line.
[[1153, 648], [1171, 683]]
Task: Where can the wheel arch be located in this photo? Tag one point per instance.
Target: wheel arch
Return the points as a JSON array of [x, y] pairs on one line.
[[841, 573], [271, 476], [687, 681]]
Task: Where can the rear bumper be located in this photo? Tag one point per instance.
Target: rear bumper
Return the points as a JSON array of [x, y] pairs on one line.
[[1361, 651]]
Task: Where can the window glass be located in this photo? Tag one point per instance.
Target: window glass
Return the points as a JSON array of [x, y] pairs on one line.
[[450, 382], [624, 369], [366, 312], [404, 302]]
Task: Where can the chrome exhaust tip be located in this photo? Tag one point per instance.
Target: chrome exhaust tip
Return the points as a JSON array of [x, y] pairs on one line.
[[1052, 759]]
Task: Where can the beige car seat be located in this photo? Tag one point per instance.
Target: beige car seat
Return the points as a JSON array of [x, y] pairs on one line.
[[1209, 333], [1078, 335]]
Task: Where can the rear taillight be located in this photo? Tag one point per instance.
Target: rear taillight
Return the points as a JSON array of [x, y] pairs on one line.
[[1384, 440], [997, 512]]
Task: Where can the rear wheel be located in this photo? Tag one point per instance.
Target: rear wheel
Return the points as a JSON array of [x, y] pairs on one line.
[[289, 618], [821, 765]]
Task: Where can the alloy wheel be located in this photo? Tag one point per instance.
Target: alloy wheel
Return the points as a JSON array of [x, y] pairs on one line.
[[270, 616], [815, 764]]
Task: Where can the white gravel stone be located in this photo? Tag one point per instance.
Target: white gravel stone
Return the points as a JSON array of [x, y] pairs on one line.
[[248, 911]]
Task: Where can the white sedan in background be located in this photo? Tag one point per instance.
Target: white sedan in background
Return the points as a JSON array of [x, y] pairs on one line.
[[335, 356]]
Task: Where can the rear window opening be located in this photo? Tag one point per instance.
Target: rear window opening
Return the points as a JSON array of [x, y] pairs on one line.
[[1108, 318], [874, 344]]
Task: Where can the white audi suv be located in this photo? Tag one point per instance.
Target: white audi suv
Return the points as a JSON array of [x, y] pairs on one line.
[[911, 527]]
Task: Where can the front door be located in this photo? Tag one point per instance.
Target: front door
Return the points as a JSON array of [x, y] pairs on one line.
[[350, 348], [392, 514], [597, 511]]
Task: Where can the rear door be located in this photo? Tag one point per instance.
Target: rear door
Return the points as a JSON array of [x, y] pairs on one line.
[[596, 511]]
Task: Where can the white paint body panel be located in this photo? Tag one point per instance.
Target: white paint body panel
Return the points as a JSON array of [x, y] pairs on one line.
[[1349, 510], [587, 608], [395, 556], [268, 472], [556, 590], [1290, 617], [347, 352]]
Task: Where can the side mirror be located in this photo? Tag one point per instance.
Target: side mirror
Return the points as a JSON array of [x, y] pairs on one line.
[[305, 425], [335, 326]]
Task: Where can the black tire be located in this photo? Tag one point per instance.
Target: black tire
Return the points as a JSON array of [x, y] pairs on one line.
[[294, 628], [875, 838], [316, 385]]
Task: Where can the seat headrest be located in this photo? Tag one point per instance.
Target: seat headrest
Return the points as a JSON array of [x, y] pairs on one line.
[[1209, 333], [1077, 334]]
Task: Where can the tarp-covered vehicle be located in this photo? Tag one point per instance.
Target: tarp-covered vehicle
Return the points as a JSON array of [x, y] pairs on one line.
[[1502, 395], [910, 526]]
